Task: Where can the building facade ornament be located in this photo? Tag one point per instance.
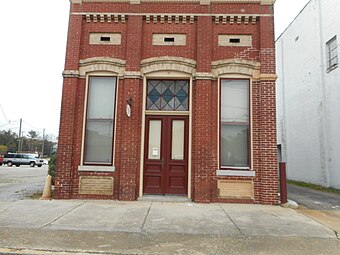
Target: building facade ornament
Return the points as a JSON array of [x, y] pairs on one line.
[[102, 64], [168, 64]]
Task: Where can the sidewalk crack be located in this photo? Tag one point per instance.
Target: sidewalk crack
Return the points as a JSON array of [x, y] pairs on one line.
[[57, 218], [231, 220], [146, 216]]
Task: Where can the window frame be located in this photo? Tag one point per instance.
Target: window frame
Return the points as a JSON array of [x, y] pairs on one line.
[[328, 52], [223, 167], [84, 163]]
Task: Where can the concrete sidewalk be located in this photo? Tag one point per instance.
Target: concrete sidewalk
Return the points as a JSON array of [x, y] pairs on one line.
[[73, 225]]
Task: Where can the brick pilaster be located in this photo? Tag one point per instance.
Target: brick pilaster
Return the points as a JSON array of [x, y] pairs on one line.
[[68, 114]]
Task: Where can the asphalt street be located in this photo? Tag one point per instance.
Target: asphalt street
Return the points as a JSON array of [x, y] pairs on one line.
[[314, 199], [321, 206], [17, 183]]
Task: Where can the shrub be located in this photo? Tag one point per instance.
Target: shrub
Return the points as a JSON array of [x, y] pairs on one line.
[[52, 166]]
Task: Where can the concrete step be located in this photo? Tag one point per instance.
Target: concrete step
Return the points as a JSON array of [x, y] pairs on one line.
[[166, 198]]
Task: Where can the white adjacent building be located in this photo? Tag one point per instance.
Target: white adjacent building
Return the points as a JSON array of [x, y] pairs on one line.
[[308, 94]]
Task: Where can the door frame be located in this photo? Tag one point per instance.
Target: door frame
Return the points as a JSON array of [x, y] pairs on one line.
[[165, 75]]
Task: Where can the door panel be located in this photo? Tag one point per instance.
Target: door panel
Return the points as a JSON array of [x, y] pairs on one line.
[[166, 163]]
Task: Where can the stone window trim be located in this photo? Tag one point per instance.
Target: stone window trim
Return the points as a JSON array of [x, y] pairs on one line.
[[96, 168], [236, 40], [169, 39], [240, 172], [97, 38]]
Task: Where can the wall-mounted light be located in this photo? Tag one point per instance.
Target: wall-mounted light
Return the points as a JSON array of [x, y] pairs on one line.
[[128, 107]]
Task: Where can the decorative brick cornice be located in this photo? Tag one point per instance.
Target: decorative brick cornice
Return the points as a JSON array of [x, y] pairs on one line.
[[104, 17], [202, 2], [162, 18], [236, 19]]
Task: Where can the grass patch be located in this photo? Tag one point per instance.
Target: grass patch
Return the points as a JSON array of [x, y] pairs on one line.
[[314, 186], [35, 195], [38, 195]]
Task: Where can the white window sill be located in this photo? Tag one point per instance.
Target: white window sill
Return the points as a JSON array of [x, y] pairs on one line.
[[242, 172], [330, 69], [96, 168]]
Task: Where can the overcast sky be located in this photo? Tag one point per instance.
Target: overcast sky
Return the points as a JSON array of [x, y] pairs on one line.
[[32, 54]]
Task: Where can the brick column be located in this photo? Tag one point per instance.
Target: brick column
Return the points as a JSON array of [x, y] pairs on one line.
[[68, 107], [268, 146], [202, 107], [131, 127]]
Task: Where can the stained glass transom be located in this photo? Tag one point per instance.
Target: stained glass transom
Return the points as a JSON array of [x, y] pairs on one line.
[[168, 95]]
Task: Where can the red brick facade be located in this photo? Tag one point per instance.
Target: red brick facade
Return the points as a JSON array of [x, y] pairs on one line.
[[201, 60]]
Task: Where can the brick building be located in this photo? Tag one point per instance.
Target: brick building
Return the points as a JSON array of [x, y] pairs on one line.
[[172, 97]]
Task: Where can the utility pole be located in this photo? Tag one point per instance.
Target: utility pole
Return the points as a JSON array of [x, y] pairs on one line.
[[19, 140], [43, 144]]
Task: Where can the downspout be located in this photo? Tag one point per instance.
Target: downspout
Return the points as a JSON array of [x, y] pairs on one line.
[[322, 110]]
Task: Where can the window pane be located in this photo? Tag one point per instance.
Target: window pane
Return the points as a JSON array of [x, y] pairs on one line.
[[98, 147], [333, 54], [332, 44], [234, 145], [155, 130], [177, 140], [234, 101], [333, 62], [101, 98], [168, 95], [100, 120]]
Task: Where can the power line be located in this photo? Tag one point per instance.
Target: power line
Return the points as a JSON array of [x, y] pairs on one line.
[[3, 112], [9, 123], [32, 126]]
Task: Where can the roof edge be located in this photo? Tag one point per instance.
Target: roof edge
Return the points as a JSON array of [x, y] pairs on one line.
[[202, 2]]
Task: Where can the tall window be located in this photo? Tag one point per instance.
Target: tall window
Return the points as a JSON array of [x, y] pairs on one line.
[[332, 53], [234, 142], [100, 120]]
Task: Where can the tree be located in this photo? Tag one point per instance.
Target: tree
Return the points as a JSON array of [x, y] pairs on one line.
[[33, 134], [9, 139], [3, 149]]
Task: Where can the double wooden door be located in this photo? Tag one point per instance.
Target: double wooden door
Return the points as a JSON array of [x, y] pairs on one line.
[[166, 155]]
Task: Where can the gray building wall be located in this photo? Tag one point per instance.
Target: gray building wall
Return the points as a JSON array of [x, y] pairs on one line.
[[308, 96]]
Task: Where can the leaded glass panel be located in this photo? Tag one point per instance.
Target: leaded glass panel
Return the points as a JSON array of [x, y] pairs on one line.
[[168, 95]]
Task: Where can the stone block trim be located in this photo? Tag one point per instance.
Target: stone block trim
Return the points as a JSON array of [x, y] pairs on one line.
[[168, 64], [103, 64], [105, 39]]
